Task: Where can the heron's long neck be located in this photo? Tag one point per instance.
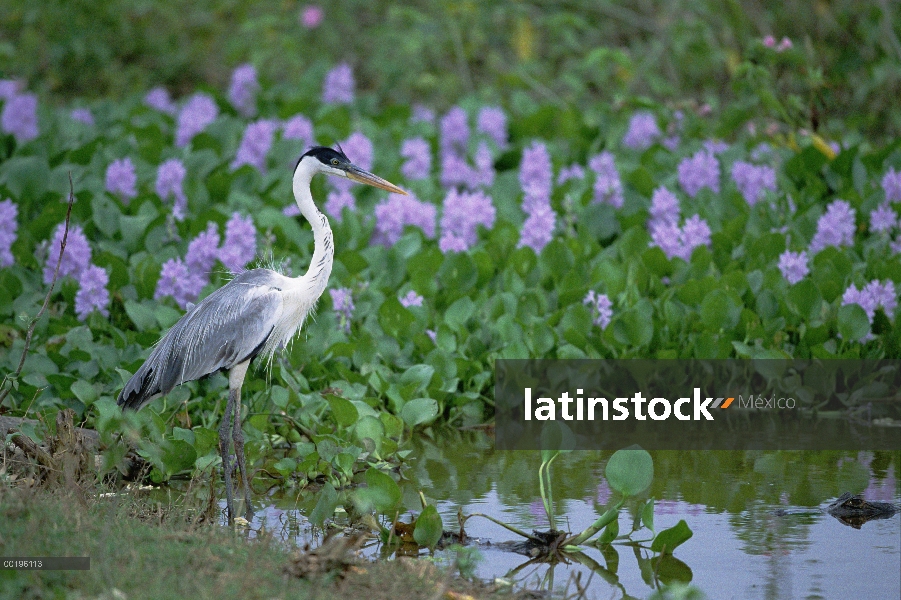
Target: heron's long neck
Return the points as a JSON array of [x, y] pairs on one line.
[[320, 268]]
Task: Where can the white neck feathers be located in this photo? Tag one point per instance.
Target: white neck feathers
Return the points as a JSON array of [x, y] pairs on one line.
[[316, 277]]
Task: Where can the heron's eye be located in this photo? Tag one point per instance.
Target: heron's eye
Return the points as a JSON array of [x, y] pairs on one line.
[[335, 161]]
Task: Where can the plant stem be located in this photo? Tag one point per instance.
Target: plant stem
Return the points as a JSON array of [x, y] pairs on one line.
[[62, 248], [595, 527], [507, 526]]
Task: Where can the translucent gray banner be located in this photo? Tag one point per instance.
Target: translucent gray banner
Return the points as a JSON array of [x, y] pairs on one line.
[[728, 404], [45, 563]]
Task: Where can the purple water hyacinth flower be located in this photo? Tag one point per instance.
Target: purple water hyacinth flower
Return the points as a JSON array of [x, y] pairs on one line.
[[883, 219], [255, 145], [874, 295], [793, 266], [695, 232], [292, 210], [895, 245], [835, 227], [419, 158], [601, 308], [462, 213], [455, 171], [891, 185], [762, 152], [20, 117], [185, 279], [395, 213], [715, 146], [240, 244], [883, 295], [455, 132], [451, 242], [433, 335], [343, 304], [170, 178], [642, 132], [753, 180], [389, 222], [538, 228], [668, 237], [339, 199], [158, 98], [195, 116], [574, 172], [9, 88], [678, 241], [419, 214], [671, 142], [483, 174], [311, 16], [92, 293], [422, 114], [454, 141], [411, 299], [242, 91], [861, 298], [192, 286], [8, 227], [75, 259], [607, 185], [204, 250], [359, 150], [535, 176], [338, 87], [121, 179], [699, 171], [176, 280], [664, 207], [82, 115], [299, 127], [492, 121]]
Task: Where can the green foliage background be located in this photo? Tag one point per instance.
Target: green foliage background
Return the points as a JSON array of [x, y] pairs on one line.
[[569, 53]]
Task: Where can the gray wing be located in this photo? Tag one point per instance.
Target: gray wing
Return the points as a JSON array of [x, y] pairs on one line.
[[229, 326]]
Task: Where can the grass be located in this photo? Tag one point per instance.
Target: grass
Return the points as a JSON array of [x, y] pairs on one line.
[[140, 558], [141, 550]]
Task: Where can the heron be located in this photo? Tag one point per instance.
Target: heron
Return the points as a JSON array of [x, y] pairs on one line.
[[255, 314]]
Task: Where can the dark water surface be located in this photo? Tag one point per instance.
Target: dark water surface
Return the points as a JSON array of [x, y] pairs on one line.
[[740, 548]]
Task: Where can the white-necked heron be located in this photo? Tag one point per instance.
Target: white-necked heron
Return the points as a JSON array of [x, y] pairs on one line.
[[255, 314]]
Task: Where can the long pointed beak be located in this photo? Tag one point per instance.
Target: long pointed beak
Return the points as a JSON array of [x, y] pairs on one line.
[[359, 175]]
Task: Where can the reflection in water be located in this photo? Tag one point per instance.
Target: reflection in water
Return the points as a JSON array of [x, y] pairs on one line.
[[739, 549]]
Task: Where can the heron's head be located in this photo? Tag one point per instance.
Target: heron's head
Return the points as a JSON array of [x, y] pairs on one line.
[[321, 159]]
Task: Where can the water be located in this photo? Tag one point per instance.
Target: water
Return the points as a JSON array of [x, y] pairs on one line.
[[739, 548]]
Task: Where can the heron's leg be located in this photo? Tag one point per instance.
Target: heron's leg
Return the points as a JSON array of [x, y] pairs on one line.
[[236, 380], [238, 438], [225, 436]]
